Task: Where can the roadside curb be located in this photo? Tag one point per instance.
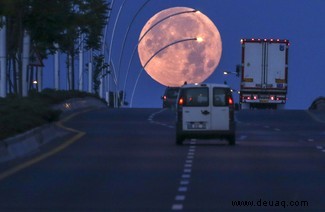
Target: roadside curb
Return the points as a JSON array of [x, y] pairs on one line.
[[317, 115], [27, 142]]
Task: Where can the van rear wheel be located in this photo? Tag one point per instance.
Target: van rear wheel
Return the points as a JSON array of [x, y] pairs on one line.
[[179, 139], [232, 140]]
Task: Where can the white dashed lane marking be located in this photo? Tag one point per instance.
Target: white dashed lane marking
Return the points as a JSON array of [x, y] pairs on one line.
[[185, 179], [184, 182], [177, 207], [180, 198]]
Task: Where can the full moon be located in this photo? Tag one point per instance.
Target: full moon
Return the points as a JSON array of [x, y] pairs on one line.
[[179, 44]]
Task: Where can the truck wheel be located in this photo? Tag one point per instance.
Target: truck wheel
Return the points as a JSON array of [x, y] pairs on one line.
[[232, 140], [179, 139]]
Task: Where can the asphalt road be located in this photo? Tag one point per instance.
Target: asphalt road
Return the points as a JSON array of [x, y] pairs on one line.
[[127, 160]]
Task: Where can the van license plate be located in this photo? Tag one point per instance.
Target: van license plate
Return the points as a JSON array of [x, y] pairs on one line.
[[196, 125]]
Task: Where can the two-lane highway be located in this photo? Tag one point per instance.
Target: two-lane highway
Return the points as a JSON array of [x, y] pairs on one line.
[[128, 161]]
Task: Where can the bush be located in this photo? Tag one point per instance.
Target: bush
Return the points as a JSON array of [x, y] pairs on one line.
[[19, 114]]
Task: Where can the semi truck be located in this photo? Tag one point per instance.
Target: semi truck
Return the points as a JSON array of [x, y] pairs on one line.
[[264, 73]]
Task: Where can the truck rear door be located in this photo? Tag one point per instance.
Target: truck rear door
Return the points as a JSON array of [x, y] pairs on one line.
[[252, 67], [276, 66]]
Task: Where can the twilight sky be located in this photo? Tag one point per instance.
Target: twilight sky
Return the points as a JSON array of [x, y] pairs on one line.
[[299, 21]]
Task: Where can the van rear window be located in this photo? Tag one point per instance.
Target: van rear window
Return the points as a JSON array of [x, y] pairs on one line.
[[196, 97], [220, 96]]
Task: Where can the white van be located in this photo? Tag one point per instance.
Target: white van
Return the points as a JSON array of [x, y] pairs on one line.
[[205, 111]]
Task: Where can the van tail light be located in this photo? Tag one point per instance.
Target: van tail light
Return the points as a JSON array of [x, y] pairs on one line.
[[181, 101], [164, 98], [230, 101], [231, 108]]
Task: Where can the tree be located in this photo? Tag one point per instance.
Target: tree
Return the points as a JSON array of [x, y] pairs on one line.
[[87, 18], [100, 71], [48, 23]]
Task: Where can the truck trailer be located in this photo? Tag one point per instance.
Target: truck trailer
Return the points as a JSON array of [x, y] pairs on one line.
[[264, 73]]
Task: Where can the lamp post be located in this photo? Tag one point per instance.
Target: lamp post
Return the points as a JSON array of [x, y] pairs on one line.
[[3, 59], [144, 34], [56, 67], [198, 39], [112, 38], [126, 35], [81, 61]]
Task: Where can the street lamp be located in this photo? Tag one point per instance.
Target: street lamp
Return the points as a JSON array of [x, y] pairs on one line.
[[229, 72], [126, 35], [237, 72], [144, 34], [198, 39]]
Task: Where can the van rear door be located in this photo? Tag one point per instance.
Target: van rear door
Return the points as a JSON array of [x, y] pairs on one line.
[[196, 109], [220, 109]]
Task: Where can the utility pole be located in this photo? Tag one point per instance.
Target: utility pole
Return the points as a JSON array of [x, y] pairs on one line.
[[81, 61], [3, 60], [25, 62], [57, 68], [90, 73], [39, 79]]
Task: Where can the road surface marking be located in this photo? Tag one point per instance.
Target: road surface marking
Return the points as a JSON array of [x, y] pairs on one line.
[[186, 176], [187, 170], [185, 182], [277, 129], [180, 198], [319, 147], [190, 156], [242, 137], [189, 161], [152, 116], [177, 207], [54, 151], [182, 189], [310, 140], [315, 117]]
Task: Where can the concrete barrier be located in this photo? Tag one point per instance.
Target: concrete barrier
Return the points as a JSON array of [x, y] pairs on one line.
[[27, 142]]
